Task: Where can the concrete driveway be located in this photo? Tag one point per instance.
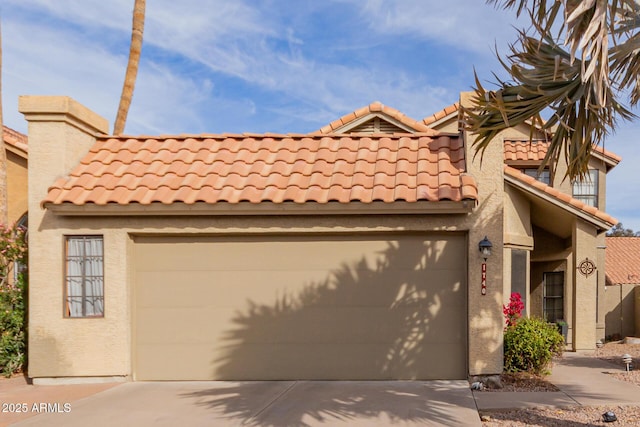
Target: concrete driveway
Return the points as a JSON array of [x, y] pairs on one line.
[[272, 403]]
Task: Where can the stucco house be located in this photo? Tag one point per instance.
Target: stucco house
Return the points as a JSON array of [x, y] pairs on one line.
[[622, 292], [351, 252]]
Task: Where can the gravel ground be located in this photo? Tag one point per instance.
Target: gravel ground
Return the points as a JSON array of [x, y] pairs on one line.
[[581, 416]]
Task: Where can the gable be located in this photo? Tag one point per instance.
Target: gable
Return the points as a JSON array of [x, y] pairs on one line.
[[373, 118], [547, 195], [377, 124], [445, 120]]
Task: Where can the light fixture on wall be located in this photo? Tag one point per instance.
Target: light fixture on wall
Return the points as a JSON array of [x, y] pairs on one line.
[[485, 250]]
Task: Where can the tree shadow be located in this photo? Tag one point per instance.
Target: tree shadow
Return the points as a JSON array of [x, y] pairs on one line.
[[400, 315]]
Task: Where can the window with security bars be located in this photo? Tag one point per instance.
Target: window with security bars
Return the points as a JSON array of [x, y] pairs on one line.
[[586, 189], [553, 305], [84, 276]]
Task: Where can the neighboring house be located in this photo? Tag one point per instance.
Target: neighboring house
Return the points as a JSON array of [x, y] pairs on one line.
[[347, 253], [17, 157], [623, 287]]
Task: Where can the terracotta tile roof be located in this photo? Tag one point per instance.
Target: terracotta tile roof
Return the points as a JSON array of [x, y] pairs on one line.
[[453, 108], [376, 107], [15, 138], [268, 168], [560, 196], [523, 150], [622, 260]]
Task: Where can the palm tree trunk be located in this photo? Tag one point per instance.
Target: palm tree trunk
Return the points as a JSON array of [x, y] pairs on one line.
[[3, 155], [132, 67]]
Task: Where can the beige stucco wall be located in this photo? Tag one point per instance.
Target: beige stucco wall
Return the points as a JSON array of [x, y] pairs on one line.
[[485, 312], [62, 347], [17, 195], [620, 310], [449, 126], [517, 219], [585, 288], [61, 132]]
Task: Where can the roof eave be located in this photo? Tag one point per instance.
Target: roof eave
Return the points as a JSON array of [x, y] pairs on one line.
[[265, 208], [602, 224], [610, 162], [17, 151]]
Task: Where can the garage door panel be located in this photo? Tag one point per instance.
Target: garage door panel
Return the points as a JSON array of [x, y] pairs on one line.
[[300, 308], [215, 321], [341, 361], [156, 357]]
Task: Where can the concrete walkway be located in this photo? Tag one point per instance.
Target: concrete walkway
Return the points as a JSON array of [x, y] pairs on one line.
[[271, 404], [582, 380]]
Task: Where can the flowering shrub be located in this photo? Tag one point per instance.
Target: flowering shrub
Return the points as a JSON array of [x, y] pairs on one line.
[[13, 248], [513, 311], [530, 345]]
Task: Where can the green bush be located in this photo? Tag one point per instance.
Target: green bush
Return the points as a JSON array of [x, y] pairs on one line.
[[530, 344], [13, 327]]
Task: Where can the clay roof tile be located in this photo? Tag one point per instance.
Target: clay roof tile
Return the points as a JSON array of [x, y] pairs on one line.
[[272, 168]]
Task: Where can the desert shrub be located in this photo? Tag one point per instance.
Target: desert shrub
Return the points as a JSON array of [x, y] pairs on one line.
[[530, 344], [13, 327], [13, 248]]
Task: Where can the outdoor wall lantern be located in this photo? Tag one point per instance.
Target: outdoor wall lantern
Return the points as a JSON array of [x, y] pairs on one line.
[[485, 248], [485, 251]]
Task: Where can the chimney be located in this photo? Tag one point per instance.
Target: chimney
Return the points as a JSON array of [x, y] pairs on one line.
[[61, 132]]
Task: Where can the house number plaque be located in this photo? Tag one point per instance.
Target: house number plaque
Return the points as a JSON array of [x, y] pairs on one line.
[[587, 267], [483, 290]]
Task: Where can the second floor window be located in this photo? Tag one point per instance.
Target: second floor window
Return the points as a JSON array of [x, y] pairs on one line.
[[586, 189], [542, 176]]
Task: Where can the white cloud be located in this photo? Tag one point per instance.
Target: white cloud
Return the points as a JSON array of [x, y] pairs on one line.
[[50, 61], [468, 26]]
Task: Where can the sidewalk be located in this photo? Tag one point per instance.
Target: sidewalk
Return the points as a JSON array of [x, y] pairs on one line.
[[582, 380], [18, 397]]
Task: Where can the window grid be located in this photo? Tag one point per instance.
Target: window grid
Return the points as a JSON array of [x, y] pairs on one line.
[[586, 190], [84, 276], [553, 304]]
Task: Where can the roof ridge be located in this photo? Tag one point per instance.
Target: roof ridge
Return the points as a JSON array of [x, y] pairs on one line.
[[374, 107], [438, 115], [246, 135]]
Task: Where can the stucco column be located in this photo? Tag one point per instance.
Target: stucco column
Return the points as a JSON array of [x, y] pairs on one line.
[[584, 285], [601, 280], [485, 311], [61, 131]]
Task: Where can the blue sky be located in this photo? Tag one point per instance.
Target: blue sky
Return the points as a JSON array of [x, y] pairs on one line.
[[268, 65]]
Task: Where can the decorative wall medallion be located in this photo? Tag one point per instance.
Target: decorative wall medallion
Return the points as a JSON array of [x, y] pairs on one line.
[[587, 267]]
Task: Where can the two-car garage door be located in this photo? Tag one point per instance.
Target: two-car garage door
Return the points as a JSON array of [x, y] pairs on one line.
[[300, 307]]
